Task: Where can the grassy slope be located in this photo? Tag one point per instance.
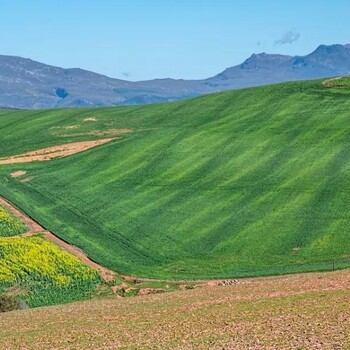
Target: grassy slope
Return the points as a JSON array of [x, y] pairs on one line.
[[229, 184], [305, 312]]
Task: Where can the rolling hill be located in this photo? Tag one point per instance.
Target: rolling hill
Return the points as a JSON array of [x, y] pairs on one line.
[[28, 84], [247, 182]]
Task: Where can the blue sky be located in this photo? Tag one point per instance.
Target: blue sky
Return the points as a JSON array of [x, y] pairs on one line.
[[191, 39]]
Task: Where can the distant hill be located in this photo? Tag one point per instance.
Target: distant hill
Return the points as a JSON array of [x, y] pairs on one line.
[[28, 84]]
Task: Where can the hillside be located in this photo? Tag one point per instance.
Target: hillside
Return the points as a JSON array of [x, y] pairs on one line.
[[306, 312], [29, 84], [246, 182]]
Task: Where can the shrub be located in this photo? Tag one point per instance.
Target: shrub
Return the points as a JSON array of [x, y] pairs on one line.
[[9, 302]]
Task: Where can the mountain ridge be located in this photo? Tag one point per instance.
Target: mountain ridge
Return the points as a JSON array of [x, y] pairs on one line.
[[29, 84]]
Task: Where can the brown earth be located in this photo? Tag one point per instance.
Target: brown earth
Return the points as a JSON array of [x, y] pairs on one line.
[[27, 179], [53, 152], [305, 312], [220, 283], [147, 291], [18, 173], [116, 289], [328, 82]]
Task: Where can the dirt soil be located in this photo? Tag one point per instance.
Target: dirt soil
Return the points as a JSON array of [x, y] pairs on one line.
[[328, 82], [18, 173], [27, 179], [305, 312], [53, 152], [90, 119]]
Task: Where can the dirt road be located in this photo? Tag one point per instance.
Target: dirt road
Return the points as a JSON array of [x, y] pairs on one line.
[[49, 153]]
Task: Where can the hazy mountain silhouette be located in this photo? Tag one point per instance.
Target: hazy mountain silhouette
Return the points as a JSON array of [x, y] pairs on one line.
[[25, 83]]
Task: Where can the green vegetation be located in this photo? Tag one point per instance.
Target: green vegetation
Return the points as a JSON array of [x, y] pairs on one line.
[[9, 225], [247, 182], [38, 272]]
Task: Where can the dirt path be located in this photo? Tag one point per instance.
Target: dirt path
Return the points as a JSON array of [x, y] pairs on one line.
[[328, 82], [106, 274], [34, 228], [49, 153]]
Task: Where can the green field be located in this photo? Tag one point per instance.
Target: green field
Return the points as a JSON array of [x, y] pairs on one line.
[[247, 182]]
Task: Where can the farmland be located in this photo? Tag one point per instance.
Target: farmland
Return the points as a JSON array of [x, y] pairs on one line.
[[37, 272], [41, 273], [305, 312], [242, 183]]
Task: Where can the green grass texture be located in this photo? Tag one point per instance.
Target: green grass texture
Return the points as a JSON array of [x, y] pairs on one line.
[[248, 182]]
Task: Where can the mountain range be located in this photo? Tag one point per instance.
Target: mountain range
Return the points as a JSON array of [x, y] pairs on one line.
[[28, 84]]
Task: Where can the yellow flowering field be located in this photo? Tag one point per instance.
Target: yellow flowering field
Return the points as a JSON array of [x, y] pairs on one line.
[[9, 225], [44, 273]]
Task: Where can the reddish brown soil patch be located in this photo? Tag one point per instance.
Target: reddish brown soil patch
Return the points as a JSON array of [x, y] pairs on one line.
[[18, 173], [328, 82], [53, 152], [185, 287], [90, 119], [147, 291], [130, 290], [116, 289], [72, 127], [219, 283], [27, 179]]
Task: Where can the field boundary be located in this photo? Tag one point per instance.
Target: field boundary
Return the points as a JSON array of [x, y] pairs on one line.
[[34, 228]]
